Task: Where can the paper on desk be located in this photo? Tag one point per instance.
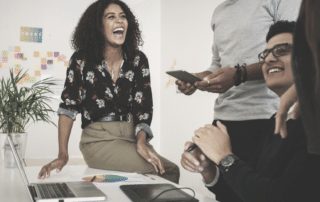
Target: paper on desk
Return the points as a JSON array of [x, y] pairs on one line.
[[110, 179]]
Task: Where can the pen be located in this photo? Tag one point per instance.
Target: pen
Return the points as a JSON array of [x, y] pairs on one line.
[[192, 147]]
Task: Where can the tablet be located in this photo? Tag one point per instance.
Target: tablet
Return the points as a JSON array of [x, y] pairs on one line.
[[147, 192], [184, 76]]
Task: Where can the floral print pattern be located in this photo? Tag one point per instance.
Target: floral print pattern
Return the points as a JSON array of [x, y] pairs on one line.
[[100, 103], [145, 72], [129, 75], [89, 90], [90, 77], [108, 92], [70, 76], [139, 96], [145, 116]]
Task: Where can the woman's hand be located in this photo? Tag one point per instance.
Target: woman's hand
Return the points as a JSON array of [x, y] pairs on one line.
[[147, 154], [287, 100], [213, 141], [195, 161], [58, 164]]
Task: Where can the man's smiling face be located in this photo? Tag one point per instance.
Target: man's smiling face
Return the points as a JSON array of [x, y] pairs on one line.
[[277, 70]]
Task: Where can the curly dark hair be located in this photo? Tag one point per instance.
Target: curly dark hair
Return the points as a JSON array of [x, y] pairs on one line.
[[283, 26], [89, 38]]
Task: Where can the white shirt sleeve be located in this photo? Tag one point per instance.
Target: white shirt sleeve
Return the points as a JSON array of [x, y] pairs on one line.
[[286, 9], [215, 180]]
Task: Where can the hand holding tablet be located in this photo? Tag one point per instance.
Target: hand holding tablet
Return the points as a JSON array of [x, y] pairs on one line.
[[184, 76]]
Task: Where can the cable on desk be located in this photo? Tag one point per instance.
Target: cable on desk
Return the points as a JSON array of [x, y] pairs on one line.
[[194, 194]]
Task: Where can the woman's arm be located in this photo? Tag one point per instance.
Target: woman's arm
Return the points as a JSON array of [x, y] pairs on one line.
[[64, 127]]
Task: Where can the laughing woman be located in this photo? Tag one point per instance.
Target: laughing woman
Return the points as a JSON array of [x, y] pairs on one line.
[[108, 82]]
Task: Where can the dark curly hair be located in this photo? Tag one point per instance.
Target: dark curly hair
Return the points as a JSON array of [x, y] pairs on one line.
[[283, 26], [88, 36]]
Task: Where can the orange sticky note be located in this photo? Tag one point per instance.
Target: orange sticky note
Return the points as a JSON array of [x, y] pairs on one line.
[[36, 54], [17, 70], [17, 49], [66, 63], [50, 54], [37, 73], [43, 61], [26, 77], [21, 81]]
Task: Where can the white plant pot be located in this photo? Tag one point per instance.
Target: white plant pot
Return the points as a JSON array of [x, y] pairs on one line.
[[20, 142]]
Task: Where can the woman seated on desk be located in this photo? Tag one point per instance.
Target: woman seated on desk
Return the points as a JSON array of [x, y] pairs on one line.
[[280, 169], [108, 82]]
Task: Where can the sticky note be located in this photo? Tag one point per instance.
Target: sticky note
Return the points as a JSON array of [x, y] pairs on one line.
[[26, 77], [49, 66], [37, 73], [50, 54], [17, 49], [63, 57], [56, 54], [44, 67], [5, 53], [11, 48], [37, 67], [36, 54], [43, 61], [4, 60], [66, 63], [43, 54], [17, 70], [11, 55]]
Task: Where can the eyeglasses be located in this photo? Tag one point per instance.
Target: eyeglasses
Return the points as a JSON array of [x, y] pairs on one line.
[[277, 51]]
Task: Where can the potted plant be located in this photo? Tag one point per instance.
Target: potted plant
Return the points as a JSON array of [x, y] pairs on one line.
[[19, 106]]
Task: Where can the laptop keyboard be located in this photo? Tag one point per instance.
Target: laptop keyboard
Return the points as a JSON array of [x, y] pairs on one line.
[[55, 190]]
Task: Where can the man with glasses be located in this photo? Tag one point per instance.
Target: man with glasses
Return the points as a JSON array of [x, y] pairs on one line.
[[279, 169], [240, 27]]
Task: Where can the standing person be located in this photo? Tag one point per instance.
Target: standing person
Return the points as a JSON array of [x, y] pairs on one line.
[[306, 71], [240, 27], [108, 82], [279, 169]]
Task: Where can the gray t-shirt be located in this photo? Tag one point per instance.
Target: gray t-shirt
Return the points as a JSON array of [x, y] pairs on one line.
[[240, 28]]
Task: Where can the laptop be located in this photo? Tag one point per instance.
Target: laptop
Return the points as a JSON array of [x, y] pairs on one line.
[[57, 192]]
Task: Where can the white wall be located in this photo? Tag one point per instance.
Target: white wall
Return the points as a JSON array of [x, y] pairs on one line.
[[172, 30], [186, 36], [58, 19]]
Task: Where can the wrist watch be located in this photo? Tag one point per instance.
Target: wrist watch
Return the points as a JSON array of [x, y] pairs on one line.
[[226, 162]]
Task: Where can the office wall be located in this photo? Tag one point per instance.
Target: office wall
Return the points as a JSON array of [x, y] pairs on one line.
[[57, 19], [186, 40]]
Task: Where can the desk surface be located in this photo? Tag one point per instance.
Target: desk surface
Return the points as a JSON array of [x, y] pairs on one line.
[[13, 189]]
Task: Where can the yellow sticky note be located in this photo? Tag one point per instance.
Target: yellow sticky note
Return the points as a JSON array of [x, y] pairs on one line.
[[43, 54], [37, 67], [11, 55], [17, 62]]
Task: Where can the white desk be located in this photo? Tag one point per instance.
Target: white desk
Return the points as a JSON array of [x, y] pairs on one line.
[[12, 188]]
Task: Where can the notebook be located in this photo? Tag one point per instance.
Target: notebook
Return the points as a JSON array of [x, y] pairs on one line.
[[61, 191]]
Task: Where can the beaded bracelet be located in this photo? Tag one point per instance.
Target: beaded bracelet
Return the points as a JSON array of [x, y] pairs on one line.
[[245, 76], [237, 76]]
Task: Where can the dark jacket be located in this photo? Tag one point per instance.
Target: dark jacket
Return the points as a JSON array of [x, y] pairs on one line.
[[279, 170]]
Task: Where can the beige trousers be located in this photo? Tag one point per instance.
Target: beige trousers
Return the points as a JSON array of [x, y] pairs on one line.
[[112, 146]]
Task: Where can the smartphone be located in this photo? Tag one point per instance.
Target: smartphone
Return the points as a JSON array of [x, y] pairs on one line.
[[184, 76]]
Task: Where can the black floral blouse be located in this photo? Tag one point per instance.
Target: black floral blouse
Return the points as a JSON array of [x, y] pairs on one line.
[[89, 90]]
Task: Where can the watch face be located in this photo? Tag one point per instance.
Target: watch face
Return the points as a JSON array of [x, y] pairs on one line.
[[227, 161]]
